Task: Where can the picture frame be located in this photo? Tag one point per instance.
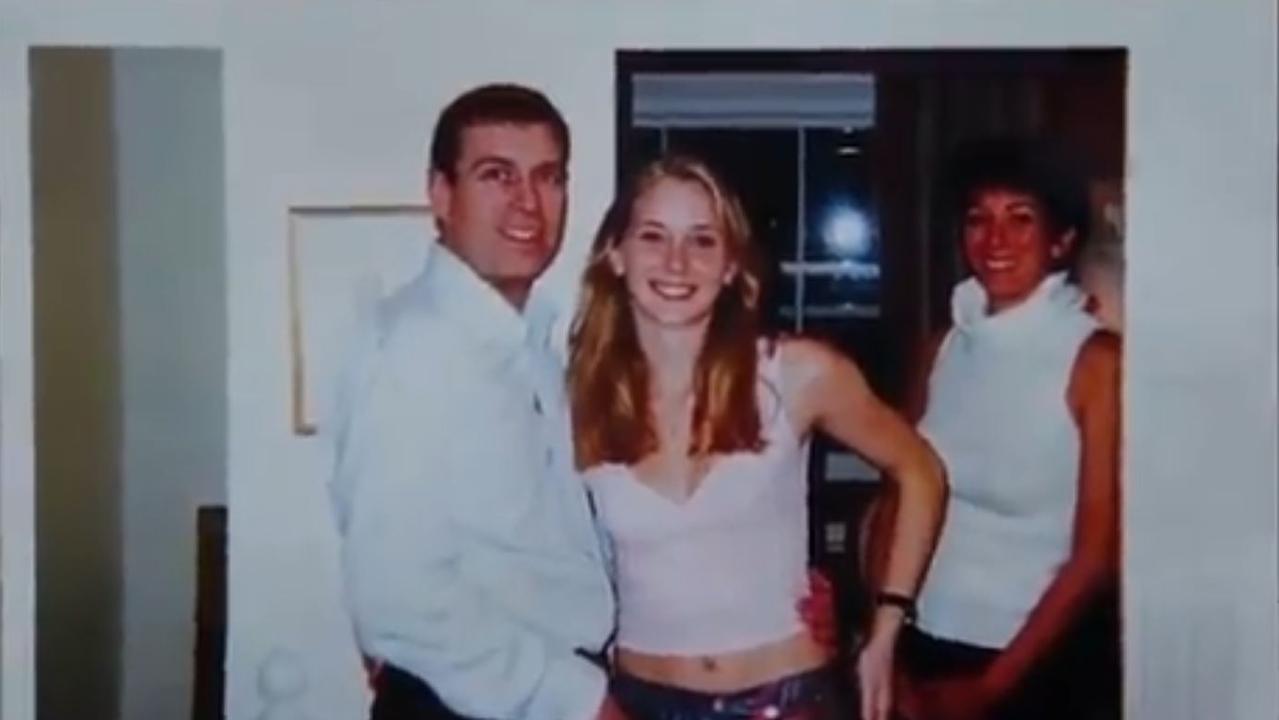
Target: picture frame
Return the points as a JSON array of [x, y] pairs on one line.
[[343, 260]]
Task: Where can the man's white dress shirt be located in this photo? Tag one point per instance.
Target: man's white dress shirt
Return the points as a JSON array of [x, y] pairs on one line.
[[470, 555]]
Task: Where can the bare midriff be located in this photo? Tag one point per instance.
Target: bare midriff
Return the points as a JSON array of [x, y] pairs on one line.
[[730, 671]]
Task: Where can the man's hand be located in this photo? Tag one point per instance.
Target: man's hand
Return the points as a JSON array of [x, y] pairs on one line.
[[963, 697], [817, 610], [372, 668], [610, 710]]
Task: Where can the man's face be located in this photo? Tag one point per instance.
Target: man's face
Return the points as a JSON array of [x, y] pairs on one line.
[[503, 211]]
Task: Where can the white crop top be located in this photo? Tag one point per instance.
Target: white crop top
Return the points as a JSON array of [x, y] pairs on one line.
[[723, 570]]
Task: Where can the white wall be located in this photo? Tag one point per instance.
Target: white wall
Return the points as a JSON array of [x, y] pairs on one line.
[[169, 156], [334, 105]]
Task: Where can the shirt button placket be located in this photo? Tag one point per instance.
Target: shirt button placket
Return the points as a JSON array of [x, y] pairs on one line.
[[548, 454]]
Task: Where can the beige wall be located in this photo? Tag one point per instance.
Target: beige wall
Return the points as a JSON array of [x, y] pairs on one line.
[[77, 383]]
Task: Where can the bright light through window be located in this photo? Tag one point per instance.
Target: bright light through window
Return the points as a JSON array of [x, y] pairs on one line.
[[846, 232]]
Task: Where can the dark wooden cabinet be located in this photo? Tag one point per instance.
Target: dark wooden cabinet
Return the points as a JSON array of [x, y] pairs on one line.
[[210, 615]]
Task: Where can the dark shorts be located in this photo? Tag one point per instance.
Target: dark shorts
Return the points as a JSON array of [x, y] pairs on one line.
[[811, 695], [1081, 679]]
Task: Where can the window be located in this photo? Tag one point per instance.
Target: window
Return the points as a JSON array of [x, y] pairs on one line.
[[793, 145]]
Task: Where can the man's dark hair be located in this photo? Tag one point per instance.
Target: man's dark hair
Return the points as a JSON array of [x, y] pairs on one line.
[[492, 104], [1033, 166]]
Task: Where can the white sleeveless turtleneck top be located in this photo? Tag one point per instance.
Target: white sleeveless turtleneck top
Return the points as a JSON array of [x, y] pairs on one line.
[[999, 417]]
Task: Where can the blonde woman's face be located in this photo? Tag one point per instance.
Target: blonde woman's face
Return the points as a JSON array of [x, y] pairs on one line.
[[674, 255]]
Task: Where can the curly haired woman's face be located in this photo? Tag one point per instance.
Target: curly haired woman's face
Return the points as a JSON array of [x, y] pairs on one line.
[[1010, 245], [674, 255]]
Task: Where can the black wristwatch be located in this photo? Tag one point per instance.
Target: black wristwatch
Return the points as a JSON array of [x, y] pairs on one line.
[[897, 600]]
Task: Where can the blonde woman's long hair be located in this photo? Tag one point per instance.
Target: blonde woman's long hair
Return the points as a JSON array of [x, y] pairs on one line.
[[608, 374]]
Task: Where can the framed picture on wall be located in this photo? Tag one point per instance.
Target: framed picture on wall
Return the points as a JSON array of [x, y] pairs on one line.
[[342, 261]]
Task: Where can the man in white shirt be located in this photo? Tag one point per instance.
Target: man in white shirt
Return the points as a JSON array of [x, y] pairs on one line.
[[471, 562]]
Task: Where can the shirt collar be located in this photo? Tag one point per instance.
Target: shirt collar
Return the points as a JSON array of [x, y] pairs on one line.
[[480, 310]]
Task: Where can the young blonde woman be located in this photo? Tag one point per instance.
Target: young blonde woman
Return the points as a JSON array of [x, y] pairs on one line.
[[692, 429]]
